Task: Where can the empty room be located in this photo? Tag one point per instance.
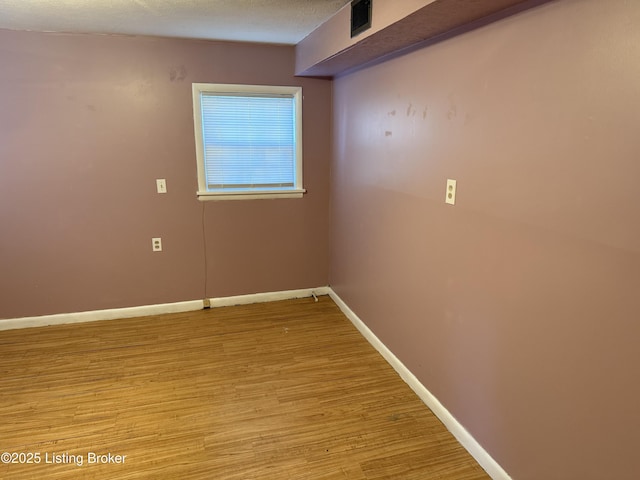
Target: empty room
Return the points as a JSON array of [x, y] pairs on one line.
[[320, 239]]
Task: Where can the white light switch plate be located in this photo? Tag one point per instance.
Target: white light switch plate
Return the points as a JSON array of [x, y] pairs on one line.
[[161, 185]]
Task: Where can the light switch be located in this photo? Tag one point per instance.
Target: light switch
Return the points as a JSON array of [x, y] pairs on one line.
[[161, 184]]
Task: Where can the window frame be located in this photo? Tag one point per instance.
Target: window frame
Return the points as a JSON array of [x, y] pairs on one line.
[[294, 92]]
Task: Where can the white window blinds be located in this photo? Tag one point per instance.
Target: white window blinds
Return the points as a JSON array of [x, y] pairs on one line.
[[249, 142], [248, 139]]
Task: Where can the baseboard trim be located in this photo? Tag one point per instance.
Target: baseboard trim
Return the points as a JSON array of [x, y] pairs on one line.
[[493, 469], [268, 297], [96, 315], [146, 310]]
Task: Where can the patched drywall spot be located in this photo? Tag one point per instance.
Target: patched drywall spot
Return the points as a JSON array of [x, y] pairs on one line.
[[177, 74]]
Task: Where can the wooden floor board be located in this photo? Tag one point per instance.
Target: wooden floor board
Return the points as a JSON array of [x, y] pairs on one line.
[[284, 390]]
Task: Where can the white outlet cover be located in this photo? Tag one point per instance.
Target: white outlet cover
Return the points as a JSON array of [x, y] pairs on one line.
[[450, 195], [156, 244]]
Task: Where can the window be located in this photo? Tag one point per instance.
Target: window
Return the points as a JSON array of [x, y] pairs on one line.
[[248, 141]]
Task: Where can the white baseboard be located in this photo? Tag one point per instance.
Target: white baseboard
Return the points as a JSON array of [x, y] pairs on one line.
[[146, 310], [493, 469], [268, 297], [96, 315]]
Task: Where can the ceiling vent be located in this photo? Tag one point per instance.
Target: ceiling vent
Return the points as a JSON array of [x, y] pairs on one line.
[[360, 16]]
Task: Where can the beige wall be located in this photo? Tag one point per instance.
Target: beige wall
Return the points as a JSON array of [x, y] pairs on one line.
[[517, 308], [87, 123]]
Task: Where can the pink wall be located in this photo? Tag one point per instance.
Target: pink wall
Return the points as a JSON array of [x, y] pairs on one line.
[[517, 308], [87, 123]]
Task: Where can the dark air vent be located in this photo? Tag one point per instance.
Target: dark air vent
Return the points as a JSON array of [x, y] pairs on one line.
[[360, 16]]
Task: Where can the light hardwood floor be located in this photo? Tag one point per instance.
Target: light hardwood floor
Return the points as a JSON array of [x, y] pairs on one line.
[[284, 390]]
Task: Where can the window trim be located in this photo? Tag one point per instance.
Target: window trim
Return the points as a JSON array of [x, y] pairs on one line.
[[260, 90]]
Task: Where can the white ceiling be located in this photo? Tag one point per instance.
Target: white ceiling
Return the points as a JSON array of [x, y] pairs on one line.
[[266, 21]]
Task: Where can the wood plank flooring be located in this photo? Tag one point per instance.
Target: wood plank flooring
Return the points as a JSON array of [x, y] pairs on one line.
[[284, 390]]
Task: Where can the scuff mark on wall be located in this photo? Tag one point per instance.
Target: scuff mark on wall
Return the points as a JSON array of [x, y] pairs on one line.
[[177, 74]]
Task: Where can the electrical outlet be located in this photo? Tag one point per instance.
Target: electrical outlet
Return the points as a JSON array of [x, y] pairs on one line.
[[450, 197], [156, 244], [161, 185]]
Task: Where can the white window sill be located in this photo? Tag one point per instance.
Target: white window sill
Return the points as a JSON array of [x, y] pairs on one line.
[[207, 196]]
